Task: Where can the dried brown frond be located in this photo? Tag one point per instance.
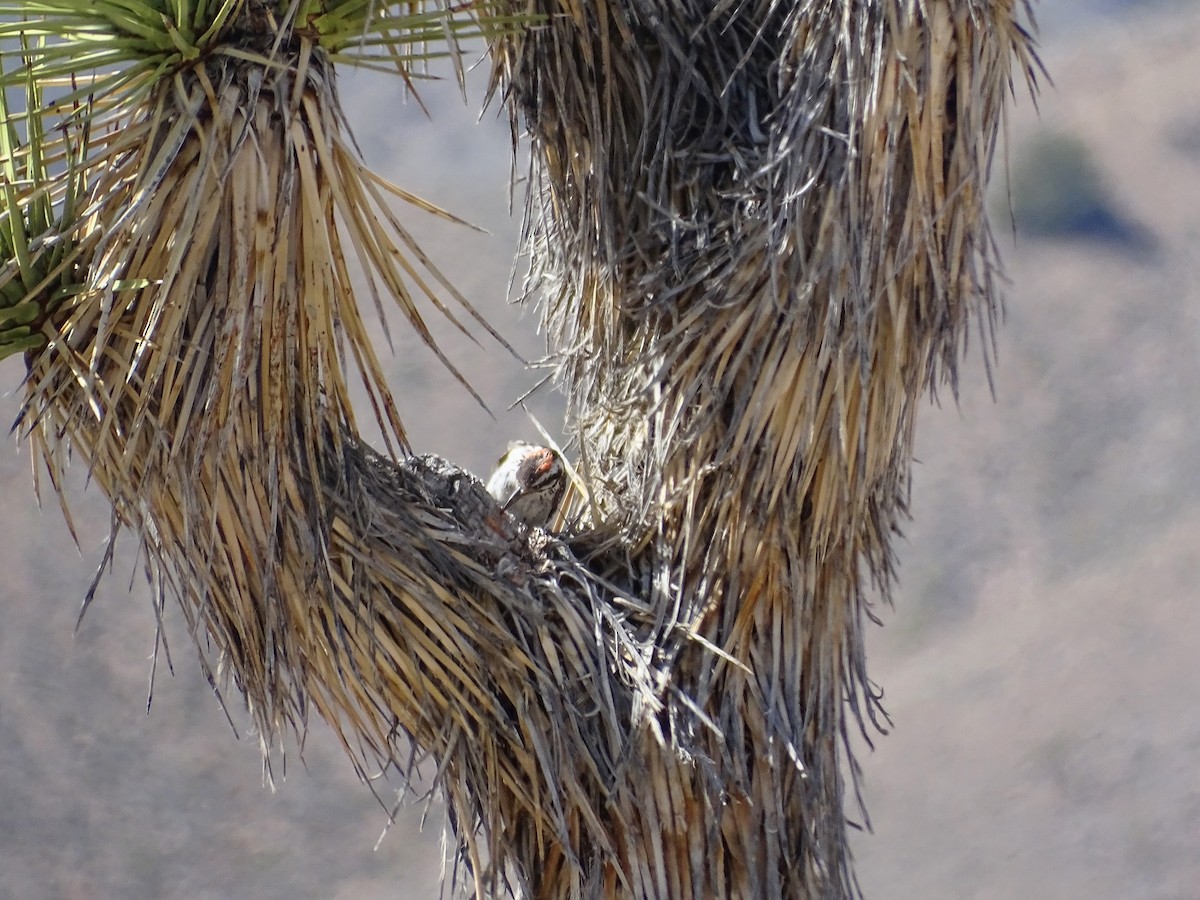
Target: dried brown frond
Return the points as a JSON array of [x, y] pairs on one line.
[[761, 234], [760, 231], [201, 374]]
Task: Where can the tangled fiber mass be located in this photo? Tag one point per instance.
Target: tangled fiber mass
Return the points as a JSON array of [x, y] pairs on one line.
[[759, 233]]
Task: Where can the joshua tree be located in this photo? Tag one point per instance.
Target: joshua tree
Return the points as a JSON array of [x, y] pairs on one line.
[[758, 232]]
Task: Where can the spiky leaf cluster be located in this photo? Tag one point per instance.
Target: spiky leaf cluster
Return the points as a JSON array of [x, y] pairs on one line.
[[41, 183]]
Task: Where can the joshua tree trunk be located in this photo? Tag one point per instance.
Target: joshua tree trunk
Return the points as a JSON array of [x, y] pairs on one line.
[[759, 234]]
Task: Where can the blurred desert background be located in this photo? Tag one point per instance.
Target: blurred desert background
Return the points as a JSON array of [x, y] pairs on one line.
[[1041, 664]]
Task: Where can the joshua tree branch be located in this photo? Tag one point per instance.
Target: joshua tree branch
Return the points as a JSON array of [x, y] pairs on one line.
[[760, 235]]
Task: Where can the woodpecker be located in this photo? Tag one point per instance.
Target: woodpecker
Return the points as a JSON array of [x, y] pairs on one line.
[[529, 482]]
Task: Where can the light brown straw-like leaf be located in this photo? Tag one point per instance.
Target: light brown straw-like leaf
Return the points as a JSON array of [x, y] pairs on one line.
[[762, 240], [760, 235]]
